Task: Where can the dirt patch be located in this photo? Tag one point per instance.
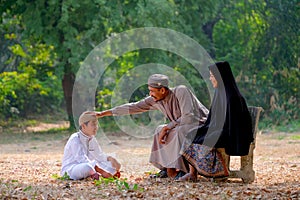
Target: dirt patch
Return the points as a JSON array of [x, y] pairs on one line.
[[27, 169], [46, 126]]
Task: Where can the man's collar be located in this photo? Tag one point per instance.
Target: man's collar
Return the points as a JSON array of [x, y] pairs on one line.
[[167, 98]]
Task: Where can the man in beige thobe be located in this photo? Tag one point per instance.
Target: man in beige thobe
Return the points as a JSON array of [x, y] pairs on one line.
[[184, 112]]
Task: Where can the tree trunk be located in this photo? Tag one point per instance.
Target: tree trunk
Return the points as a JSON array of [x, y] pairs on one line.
[[68, 83], [208, 30]]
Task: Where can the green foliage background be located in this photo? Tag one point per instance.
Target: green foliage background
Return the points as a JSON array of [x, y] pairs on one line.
[[43, 43]]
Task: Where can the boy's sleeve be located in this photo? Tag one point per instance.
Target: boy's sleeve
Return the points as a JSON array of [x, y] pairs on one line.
[[101, 159], [98, 154], [101, 156], [76, 153]]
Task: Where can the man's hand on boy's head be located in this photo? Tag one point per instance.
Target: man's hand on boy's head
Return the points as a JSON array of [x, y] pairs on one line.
[[103, 113], [99, 114]]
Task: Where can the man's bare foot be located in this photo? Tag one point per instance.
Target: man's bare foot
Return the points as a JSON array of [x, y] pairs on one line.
[[188, 177]]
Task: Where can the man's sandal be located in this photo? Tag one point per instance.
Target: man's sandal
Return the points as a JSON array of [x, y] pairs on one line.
[[179, 175], [162, 174]]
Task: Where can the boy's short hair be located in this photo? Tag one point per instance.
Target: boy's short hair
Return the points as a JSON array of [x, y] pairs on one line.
[[86, 117]]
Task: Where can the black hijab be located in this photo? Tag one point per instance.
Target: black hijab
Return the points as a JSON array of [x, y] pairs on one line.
[[228, 124]]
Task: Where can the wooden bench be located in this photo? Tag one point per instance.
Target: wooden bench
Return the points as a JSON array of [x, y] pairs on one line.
[[246, 172]]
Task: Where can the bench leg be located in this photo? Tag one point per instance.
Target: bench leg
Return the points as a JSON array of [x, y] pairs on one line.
[[225, 156], [226, 159], [247, 173]]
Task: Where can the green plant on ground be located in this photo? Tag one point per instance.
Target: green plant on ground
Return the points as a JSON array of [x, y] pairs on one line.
[[290, 127], [121, 184], [295, 137], [63, 178]]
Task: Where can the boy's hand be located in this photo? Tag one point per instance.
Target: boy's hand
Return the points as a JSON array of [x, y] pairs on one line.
[[109, 158], [114, 162]]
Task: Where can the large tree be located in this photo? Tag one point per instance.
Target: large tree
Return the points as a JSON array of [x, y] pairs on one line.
[[261, 39], [74, 27]]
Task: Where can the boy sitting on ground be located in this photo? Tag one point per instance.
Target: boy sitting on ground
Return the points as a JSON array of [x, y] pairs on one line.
[[83, 156]]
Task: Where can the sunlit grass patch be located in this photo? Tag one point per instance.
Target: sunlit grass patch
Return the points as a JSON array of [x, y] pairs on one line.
[[295, 137]]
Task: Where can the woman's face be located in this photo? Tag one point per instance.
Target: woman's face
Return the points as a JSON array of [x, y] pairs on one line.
[[213, 80]]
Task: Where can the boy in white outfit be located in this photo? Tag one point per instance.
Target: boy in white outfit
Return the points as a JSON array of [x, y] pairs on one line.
[[83, 156]]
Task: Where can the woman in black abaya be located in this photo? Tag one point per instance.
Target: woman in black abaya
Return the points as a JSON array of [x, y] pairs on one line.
[[228, 126]]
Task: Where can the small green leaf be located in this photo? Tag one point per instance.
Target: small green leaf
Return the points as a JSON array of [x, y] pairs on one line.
[[64, 177], [126, 185], [135, 187], [27, 188]]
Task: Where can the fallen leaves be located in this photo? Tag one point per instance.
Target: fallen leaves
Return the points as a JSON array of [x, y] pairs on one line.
[[29, 175]]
